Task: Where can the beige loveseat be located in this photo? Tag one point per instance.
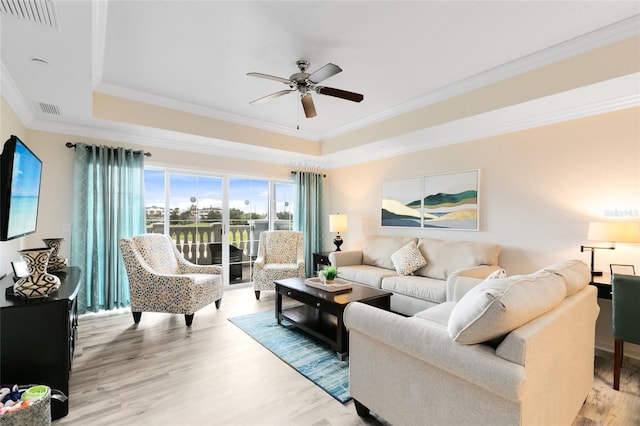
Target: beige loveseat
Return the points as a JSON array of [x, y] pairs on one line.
[[511, 351], [429, 285]]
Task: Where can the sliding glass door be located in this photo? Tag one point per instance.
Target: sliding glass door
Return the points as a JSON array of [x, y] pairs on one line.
[[217, 220]]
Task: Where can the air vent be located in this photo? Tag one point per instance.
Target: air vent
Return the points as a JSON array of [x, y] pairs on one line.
[[49, 108], [39, 11]]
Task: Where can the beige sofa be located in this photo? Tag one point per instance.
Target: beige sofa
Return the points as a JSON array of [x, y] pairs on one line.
[[511, 351], [429, 285]]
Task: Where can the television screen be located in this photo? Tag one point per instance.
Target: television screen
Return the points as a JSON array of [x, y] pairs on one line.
[[20, 174]]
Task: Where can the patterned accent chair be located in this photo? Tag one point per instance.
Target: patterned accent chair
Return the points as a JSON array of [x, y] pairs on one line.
[[161, 280], [280, 256]]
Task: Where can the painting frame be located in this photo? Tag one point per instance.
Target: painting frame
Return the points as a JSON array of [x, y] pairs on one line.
[[451, 201]]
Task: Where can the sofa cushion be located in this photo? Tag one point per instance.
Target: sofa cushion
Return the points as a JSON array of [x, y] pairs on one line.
[[418, 287], [576, 274], [377, 250], [496, 307], [445, 257], [365, 274], [439, 314], [407, 259]]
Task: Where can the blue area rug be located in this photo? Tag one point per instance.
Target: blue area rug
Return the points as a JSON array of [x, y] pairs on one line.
[[310, 357]]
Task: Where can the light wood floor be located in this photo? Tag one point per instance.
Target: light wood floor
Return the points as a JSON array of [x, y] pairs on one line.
[[161, 372]]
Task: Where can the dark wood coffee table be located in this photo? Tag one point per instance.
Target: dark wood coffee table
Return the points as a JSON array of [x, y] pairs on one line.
[[322, 312]]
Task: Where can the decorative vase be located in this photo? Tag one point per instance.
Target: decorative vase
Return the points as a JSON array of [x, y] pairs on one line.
[[38, 283], [56, 262]]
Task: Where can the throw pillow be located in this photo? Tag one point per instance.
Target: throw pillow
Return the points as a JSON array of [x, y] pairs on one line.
[[497, 274], [494, 308], [408, 259]]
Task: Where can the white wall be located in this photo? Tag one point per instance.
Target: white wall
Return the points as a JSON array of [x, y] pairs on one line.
[[9, 125]]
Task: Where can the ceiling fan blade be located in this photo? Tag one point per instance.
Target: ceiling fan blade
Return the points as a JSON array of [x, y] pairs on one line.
[[271, 96], [325, 72], [342, 94], [269, 77], [307, 104]]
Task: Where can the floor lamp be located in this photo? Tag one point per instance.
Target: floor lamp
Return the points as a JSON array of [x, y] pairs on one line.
[[613, 232], [338, 223]]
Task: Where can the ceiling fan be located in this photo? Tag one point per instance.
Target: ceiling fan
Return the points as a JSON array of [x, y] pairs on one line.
[[305, 83]]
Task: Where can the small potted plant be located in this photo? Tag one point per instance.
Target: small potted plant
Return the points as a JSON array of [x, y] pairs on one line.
[[328, 274]]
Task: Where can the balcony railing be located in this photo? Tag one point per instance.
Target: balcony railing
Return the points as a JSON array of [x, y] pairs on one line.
[[196, 243]]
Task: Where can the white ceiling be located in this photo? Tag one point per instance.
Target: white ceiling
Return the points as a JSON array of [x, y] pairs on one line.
[[194, 56]]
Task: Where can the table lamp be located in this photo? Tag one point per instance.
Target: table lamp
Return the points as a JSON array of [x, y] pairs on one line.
[[613, 232], [338, 223]]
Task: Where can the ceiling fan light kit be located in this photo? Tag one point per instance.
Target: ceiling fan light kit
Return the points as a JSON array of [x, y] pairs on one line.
[[304, 83]]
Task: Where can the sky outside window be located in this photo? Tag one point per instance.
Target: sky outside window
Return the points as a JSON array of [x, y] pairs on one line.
[[247, 195]]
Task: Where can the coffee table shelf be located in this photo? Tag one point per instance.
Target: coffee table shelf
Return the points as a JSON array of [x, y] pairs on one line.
[[319, 324], [322, 312]]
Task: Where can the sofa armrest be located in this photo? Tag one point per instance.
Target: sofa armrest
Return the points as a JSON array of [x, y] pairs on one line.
[[345, 258], [431, 343], [463, 280]]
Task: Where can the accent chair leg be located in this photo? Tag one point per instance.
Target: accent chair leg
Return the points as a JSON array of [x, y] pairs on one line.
[[218, 302], [136, 316], [257, 294], [188, 318], [361, 409], [618, 354]]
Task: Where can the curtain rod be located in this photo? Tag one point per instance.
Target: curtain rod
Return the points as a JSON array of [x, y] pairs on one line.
[[72, 145], [293, 172]]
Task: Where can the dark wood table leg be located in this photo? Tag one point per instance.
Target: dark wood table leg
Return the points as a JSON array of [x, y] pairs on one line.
[[278, 305], [342, 338]]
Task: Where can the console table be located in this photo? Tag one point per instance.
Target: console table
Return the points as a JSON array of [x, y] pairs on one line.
[[603, 283], [37, 337]]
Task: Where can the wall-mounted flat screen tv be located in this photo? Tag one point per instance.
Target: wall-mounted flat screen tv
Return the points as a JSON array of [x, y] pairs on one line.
[[20, 175]]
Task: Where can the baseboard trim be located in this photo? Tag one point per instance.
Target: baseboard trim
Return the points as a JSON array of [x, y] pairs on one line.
[[630, 350]]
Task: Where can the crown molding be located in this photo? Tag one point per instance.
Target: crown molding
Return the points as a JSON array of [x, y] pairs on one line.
[[151, 137], [616, 94], [99, 12], [148, 98], [599, 98], [14, 97], [601, 37]]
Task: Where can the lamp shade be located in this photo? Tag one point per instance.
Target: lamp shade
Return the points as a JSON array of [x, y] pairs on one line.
[[617, 232], [338, 223]]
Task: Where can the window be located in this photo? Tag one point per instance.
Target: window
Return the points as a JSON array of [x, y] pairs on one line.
[[217, 219]]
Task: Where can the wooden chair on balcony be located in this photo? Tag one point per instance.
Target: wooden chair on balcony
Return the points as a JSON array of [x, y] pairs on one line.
[[280, 256], [161, 280]]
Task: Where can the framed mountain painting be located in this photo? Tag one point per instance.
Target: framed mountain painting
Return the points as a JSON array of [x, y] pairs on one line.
[[401, 203], [451, 201]]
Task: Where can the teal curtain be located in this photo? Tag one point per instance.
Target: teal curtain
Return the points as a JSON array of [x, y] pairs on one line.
[[309, 213], [108, 204]]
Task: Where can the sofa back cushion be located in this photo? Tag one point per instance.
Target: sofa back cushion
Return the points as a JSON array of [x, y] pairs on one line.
[[496, 307], [576, 274], [377, 250], [446, 257]]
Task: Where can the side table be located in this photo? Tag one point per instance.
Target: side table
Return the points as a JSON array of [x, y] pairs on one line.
[[320, 259]]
